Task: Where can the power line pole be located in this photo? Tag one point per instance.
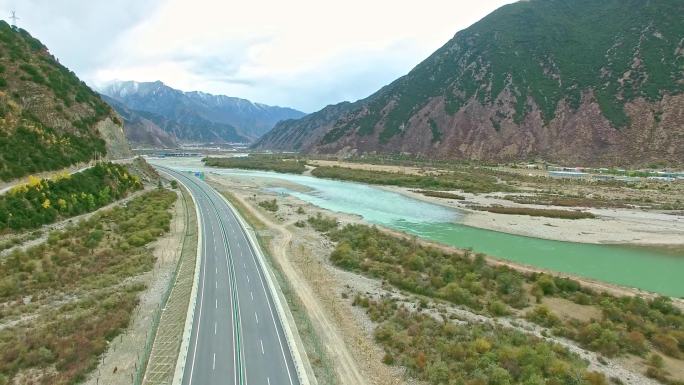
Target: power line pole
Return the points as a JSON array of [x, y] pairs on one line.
[[14, 18]]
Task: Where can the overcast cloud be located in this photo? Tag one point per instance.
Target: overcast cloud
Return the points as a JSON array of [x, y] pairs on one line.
[[299, 53]]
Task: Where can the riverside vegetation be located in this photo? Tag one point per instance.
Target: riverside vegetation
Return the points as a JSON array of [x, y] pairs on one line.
[[275, 163], [456, 180], [43, 201], [73, 294], [443, 352], [628, 325]]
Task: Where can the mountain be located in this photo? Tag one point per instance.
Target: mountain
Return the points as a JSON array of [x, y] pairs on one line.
[[570, 81], [198, 116], [49, 119], [141, 131]]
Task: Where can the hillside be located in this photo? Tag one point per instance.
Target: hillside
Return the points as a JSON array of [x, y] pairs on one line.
[[141, 131], [49, 119], [197, 116], [575, 81]]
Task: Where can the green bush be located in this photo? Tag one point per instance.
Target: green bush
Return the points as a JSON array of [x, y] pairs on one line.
[[322, 223], [271, 205]]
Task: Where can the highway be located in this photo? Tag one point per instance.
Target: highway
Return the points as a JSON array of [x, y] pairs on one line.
[[237, 336]]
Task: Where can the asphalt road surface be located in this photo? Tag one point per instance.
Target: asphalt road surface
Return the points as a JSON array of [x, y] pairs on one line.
[[237, 336]]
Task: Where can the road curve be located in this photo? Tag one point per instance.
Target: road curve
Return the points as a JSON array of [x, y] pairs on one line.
[[237, 335]]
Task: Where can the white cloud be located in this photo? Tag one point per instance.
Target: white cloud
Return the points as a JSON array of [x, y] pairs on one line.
[[300, 53]]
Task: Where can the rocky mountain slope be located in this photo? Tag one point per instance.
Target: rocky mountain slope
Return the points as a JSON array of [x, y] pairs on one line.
[[198, 116], [141, 131], [49, 119], [570, 81]]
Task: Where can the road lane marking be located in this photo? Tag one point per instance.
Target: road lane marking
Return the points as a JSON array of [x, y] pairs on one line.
[[216, 285], [268, 379], [262, 346], [251, 294], [217, 303], [256, 316], [213, 365], [247, 278], [214, 327]]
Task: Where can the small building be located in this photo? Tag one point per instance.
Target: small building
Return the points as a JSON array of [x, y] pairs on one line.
[[568, 174]]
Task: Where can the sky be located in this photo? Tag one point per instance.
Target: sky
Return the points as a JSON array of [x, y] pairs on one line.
[[303, 54]]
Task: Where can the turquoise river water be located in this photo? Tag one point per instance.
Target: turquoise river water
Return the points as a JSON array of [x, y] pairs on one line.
[[645, 268]]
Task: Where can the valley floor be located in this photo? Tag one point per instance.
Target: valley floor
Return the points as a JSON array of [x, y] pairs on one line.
[[638, 226], [344, 333]]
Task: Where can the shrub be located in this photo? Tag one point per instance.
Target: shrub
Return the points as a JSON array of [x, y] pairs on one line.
[[271, 205], [542, 315], [322, 223]]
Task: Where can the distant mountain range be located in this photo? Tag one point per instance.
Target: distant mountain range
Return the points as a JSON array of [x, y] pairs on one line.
[[570, 81], [49, 118], [153, 108]]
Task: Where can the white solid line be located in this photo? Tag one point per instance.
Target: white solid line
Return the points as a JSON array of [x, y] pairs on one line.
[[262, 346], [256, 316]]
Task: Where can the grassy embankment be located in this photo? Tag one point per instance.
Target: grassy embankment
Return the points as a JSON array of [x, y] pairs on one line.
[[628, 325], [260, 162], [74, 293]]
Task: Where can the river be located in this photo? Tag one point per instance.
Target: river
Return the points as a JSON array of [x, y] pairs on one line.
[[640, 267]]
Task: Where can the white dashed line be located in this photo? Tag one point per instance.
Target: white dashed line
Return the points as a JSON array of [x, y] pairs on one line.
[[214, 327], [262, 346], [251, 294], [213, 365], [257, 317], [217, 303]]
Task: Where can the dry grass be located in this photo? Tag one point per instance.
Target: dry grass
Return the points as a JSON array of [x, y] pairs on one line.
[[566, 309]]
